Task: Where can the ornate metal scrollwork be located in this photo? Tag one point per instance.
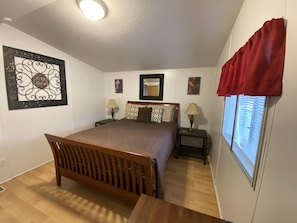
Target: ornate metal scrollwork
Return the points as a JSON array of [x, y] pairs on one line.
[[33, 80]]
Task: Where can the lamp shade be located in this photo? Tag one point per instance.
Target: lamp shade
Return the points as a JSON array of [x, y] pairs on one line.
[[192, 109], [111, 104], [92, 9]]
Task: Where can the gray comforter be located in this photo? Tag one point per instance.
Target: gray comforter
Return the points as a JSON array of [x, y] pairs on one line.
[[152, 139]]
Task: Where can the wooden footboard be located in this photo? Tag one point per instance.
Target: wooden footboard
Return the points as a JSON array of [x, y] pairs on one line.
[[121, 174]]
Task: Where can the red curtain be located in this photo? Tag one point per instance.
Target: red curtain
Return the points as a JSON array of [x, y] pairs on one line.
[[257, 67]]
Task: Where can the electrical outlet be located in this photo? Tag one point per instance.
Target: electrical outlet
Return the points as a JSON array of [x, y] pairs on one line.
[[3, 162]]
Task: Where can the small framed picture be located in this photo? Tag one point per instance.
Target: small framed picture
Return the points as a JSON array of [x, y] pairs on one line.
[[194, 85], [118, 85]]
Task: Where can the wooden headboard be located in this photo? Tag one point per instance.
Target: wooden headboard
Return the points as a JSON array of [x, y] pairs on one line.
[[176, 105]]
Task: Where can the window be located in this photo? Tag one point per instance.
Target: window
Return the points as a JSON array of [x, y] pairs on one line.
[[229, 118], [242, 124]]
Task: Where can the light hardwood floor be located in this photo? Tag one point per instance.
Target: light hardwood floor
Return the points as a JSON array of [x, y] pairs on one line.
[[34, 196]]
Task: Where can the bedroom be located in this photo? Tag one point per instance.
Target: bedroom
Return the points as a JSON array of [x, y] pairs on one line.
[[273, 202]]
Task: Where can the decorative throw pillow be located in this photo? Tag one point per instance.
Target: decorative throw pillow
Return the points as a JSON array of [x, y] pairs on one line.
[[157, 114], [144, 114], [126, 110], [133, 111]]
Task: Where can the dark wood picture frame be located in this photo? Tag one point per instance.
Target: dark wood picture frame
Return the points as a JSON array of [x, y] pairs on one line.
[[118, 85], [157, 81], [194, 85]]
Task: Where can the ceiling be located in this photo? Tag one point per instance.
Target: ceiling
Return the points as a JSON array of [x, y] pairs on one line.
[[134, 35]]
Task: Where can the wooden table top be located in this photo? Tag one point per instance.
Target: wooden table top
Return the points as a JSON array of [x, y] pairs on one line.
[[151, 210]]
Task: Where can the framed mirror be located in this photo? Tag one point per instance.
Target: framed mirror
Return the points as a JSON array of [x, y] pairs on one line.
[[151, 86]]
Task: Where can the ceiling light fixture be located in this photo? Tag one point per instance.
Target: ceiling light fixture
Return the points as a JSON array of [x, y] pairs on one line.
[[93, 9], [7, 19]]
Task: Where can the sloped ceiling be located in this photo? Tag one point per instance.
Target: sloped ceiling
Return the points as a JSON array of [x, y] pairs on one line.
[[135, 34]]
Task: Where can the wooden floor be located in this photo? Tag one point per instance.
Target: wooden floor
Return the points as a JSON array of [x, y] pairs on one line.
[[34, 196], [189, 184]]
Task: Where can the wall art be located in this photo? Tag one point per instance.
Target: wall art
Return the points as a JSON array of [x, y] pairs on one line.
[[33, 80], [151, 86], [118, 85], [194, 85]]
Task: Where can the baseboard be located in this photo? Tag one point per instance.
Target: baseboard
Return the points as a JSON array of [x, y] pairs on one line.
[[25, 171], [215, 187]]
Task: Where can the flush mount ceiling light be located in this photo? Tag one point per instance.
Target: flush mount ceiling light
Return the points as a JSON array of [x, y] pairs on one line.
[[93, 9]]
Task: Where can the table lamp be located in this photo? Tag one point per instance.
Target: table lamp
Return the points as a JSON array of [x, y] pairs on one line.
[[112, 104], [192, 110]]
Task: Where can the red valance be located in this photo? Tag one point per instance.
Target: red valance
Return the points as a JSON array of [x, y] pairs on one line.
[[257, 67]]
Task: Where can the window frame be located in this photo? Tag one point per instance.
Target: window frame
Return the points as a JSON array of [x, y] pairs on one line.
[[260, 148]]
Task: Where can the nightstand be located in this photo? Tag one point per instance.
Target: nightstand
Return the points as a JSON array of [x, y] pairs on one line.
[[198, 150], [103, 122]]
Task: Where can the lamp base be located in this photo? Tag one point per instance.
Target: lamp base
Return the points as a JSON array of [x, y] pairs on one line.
[[191, 122], [112, 114]]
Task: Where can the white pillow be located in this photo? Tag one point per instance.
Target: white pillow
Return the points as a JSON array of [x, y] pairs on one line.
[[168, 113]]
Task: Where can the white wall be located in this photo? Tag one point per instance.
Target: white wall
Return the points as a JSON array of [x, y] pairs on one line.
[[175, 90], [275, 197], [22, 143]]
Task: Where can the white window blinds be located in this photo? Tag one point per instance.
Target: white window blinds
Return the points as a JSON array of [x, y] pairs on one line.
[[243, 117]]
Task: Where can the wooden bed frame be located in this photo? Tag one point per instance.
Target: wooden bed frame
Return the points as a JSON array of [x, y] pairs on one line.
[[124, 175], [114, 172]]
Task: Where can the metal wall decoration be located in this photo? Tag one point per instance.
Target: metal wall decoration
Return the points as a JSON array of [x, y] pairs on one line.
[[33, 80], [194, 85]]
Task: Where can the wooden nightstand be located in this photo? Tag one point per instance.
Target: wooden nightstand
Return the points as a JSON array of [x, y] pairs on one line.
[[199, 150], [103, 122]]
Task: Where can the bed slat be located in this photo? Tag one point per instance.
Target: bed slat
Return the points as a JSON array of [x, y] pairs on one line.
[[127, 175], [120, 170]]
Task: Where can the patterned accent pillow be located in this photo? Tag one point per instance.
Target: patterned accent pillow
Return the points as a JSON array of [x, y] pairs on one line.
[[144, 114], [133, 111], [157, 113]]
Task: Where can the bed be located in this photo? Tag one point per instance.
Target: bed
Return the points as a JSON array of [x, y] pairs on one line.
[[124, 158]]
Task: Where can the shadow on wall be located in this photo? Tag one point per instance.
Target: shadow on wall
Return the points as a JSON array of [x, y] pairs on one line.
[[199, 120]]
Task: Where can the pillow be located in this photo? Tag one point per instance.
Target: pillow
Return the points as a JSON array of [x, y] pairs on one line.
[[168, 113], [126, 110], [157, 114], [144, 114], [133, 111]]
